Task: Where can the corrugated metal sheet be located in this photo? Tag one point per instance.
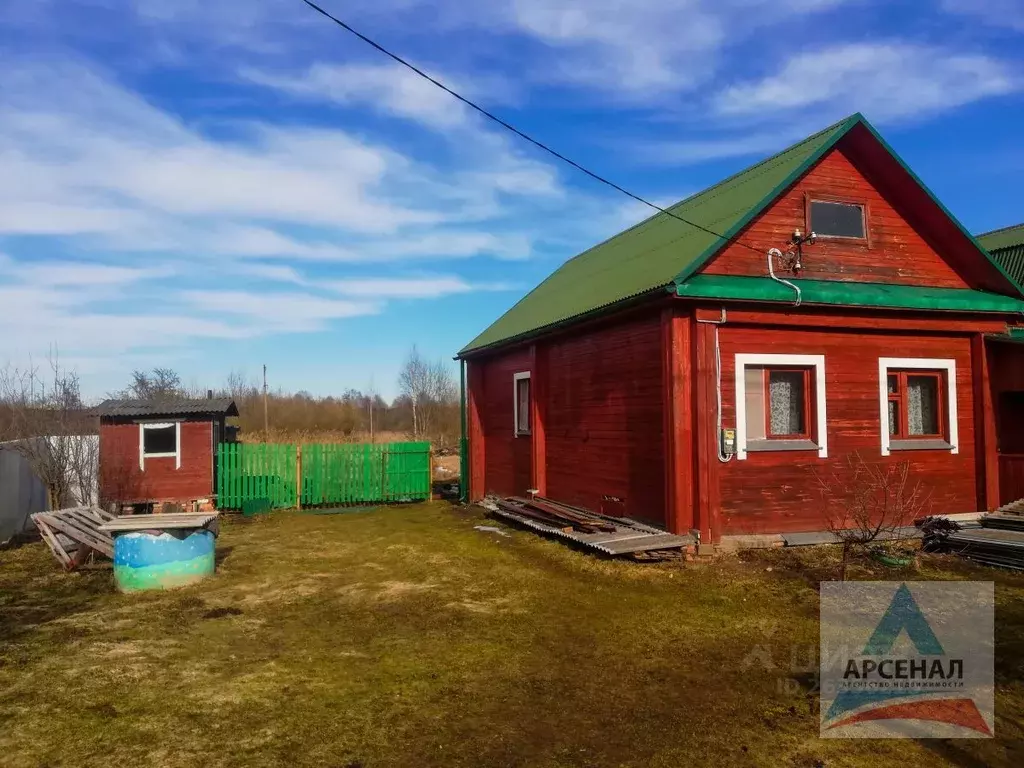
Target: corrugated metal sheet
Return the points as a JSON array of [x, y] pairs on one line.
[[1006, 246], [1012, 260], [218, 406], [628, 537]]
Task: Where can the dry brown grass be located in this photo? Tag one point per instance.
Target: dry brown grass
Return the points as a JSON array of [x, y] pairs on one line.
[[404, 637]]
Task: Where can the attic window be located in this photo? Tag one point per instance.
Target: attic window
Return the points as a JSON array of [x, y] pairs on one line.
[[830, 218]]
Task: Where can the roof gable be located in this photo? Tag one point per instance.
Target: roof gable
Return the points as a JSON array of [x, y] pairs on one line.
[[648, 256], [895, 249], [663, 252]]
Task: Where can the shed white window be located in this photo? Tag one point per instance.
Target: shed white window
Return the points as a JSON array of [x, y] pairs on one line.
[[780, 404], [160, 440], [917, 404], [521, 403]]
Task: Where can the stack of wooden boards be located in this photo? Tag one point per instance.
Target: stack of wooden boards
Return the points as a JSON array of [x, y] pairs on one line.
[[998, 540], [558, 515], [73, 534], [605, 534]]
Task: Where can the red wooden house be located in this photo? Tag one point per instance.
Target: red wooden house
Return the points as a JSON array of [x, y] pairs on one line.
[[157, 451], [699, 377]]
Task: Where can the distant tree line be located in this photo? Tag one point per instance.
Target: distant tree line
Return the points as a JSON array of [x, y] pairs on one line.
[[43, 416], [426, 408]]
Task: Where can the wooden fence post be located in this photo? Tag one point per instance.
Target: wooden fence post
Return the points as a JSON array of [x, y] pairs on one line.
[[430, 471], [298, 477]]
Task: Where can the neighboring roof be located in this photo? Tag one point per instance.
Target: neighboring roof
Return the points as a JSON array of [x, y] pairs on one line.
[[1006, 246], [215, 406], [662, 250], [848, 294], [1003, 238], [1014, 335]]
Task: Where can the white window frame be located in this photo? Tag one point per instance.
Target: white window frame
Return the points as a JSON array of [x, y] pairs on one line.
[[885, 364], [516, 378], [143, 426], [744, 360]]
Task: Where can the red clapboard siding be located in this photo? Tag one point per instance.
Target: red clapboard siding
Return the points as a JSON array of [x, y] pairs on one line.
[[1006, 371], [121, 479], [895, 251], [604, 419], [778, 491], [507, 458]]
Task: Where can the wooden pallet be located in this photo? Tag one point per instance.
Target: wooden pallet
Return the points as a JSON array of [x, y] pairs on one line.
[[73, 534], [160, 522]]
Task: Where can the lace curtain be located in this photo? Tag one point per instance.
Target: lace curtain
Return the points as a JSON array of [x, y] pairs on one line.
[[922, 405], [786, 390]]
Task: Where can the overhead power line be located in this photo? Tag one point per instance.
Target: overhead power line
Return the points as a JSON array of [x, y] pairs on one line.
[[508, 126]]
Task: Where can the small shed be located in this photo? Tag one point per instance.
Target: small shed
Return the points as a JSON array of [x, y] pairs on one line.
[[154, 451]]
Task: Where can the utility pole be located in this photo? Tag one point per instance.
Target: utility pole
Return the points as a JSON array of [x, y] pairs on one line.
[[370, 398], [266, 418]]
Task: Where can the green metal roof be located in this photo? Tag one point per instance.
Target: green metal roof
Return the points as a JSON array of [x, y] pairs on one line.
[[847, 294], [662, 250], [1006, 246], [650, 255], [1003, 238]]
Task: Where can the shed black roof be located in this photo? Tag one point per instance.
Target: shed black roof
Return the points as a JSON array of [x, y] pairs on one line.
[[214, 406]]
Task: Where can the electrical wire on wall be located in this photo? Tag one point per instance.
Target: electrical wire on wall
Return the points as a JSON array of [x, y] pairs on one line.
[[722, 456]]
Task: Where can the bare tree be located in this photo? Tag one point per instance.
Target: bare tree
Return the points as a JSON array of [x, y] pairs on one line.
[[159, 384], [52, 431], [432, 393], [413, 382], [865, 501]]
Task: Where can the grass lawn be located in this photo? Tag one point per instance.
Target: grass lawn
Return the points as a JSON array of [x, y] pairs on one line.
[[404, 637]]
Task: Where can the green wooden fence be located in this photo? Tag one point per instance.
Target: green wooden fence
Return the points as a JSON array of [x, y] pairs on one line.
[[279, 476], [256, 473]]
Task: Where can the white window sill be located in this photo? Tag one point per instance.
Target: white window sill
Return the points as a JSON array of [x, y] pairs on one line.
[[756, 446], [919, 445], [522, 434], [159, 455]]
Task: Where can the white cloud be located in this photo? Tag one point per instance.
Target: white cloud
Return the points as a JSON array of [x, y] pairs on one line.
[[691, 151], [884, 80], [81, 155], [410, 288], [125, 211], [999, 13], [279, 312], [390, 88]]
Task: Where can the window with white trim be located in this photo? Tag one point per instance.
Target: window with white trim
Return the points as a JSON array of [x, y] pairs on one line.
[[521, 403], [780, 404], [917, 404], [160, 440]]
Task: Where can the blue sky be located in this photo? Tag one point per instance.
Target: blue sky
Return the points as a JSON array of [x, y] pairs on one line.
[[212, 185]]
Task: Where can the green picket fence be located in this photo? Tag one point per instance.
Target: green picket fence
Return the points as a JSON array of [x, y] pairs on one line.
[[349, 474], [257, 475], [253, 475]]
